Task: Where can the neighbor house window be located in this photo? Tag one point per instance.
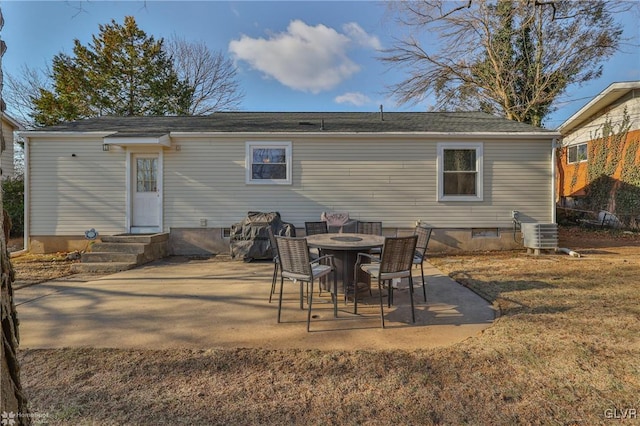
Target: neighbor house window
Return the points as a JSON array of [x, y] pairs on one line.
[[268, 162], [577, 153], [460, 172]]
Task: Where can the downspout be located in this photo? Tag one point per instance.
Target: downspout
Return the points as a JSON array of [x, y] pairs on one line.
[[554, 142], [26, 198], [554, 147]]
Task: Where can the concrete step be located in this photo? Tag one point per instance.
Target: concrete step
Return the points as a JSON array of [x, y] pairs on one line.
[[118, 247], [107, 267], [121, 252], [103, 257], [135, 238]]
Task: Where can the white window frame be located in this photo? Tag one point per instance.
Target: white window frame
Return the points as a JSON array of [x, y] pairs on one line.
[[250, 146], [576, 147], [478, 147]]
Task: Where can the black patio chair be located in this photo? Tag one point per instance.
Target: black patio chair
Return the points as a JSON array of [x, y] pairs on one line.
[[276, 262], [424, 235], [296, 265], [372, 228], [395, 262], [313, 228]]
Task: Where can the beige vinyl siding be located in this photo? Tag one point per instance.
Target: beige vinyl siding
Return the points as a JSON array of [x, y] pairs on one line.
[[518, 176], [70, 195], [592, 129], [391, 180], [6, 157]]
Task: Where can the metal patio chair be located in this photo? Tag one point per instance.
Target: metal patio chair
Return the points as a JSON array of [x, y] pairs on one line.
[[424, 235], [395, 262], [313, 228], [276, 262], [372, 228], [296, 265]]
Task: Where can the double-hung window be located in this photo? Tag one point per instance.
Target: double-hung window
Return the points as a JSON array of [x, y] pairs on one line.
[[577, 153], [268, 163], [460, 172]]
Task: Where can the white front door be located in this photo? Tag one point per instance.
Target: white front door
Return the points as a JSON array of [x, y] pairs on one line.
[[146, 199]]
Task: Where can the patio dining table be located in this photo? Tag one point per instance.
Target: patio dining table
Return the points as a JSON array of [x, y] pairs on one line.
[[345, 248]]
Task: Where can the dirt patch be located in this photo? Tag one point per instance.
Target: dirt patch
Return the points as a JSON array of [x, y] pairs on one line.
[[15, 244], [32, 269], [585, 238]]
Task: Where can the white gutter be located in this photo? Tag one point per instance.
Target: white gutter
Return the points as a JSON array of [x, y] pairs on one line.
[[111, 135], [53, 134], [372, 135]]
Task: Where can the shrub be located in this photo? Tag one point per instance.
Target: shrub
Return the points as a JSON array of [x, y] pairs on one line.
[[13, 203]]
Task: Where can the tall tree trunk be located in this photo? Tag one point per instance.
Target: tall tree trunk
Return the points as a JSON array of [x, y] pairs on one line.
[[14, 403]]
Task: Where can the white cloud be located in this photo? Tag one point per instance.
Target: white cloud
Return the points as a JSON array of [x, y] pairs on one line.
[[358, 35], [355, 98], [307, 58]]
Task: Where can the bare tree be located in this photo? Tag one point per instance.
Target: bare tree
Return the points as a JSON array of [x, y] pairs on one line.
[[512, 58], [20, 90], [210, 74]]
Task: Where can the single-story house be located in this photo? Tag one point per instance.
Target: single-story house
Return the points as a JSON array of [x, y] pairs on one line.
[[581, 130], [8, 125], [462, 173]]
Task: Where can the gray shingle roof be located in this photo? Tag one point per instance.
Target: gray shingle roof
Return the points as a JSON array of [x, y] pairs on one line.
[[333, 122]]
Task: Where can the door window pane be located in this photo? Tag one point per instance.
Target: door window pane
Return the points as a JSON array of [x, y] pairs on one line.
[[147, 174]]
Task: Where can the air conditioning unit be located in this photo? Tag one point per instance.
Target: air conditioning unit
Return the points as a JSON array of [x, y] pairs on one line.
[[540, 236]]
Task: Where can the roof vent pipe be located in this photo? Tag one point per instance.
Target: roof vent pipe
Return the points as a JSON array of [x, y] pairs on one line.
[[381, 113]]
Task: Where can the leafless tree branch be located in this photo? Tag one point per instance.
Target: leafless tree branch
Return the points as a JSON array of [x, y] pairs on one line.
[[508, 57], [210, 74]]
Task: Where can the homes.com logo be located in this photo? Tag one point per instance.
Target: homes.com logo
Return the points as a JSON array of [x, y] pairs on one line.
[[10, 418]]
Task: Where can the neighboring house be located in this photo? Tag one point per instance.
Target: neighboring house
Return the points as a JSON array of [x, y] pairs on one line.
[[8, 126], [585, 127], [193, 177]]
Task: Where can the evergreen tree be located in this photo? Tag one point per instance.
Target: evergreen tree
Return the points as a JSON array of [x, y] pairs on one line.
[[121, 72]]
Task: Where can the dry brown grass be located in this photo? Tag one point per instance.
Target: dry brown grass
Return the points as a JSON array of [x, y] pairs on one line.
[[566, 350], [36, 268]]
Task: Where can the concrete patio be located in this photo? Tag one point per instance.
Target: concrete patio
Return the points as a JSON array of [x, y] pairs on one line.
[[221, 303]]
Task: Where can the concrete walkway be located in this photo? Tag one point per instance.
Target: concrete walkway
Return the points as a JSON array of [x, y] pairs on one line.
[[221, 303]]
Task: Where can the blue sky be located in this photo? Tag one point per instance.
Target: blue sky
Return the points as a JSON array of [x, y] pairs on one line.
[[291, 56]]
